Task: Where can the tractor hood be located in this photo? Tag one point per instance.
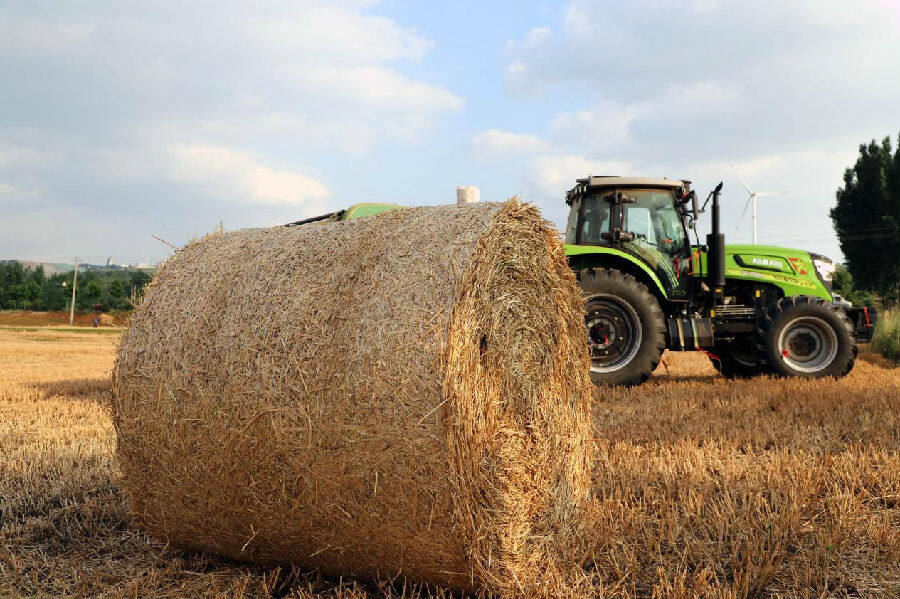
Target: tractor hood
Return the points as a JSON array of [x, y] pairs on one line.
[[796, 272]]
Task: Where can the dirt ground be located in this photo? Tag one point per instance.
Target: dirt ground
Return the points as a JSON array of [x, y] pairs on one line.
[[705, 488]]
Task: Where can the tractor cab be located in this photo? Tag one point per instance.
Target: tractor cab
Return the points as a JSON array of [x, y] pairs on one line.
[[642, 217]]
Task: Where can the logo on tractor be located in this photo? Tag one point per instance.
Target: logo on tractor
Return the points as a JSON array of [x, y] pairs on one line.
[[765, 262]]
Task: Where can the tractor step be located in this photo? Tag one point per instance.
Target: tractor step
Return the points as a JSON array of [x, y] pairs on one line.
[[689, 334]]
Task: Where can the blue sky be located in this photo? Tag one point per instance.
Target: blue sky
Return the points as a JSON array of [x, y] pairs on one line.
[[119, 120]]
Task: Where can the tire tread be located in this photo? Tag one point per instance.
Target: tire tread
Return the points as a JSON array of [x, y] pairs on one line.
[[775, 313], [595, 280]]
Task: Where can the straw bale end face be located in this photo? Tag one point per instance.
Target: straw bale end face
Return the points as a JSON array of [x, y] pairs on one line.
[[403, 393]]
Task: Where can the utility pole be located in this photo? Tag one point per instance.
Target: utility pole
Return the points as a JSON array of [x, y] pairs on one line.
[[74, 284]]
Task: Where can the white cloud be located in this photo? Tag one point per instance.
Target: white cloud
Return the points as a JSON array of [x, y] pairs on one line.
[[610, 124], [226, 172], [494, 143], [704, 5], [682, 88], [304, 75], [10, 194], [15, 156], [707, 97], [517, 69], [602, 127], [552, 174], [182, 113], [689, 69], [352, 37]]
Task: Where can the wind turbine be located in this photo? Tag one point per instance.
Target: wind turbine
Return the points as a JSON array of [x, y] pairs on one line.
[[751, 198]]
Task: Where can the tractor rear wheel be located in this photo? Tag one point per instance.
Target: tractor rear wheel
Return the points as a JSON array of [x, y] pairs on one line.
[[737, 359], [804, 336], [625, 326]]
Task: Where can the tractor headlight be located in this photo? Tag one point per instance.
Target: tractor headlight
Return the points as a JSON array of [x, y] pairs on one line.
[[825, 267]]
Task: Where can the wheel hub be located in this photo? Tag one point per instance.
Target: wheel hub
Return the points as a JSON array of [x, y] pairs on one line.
[[602, 333], [808, 344], [614, 333]]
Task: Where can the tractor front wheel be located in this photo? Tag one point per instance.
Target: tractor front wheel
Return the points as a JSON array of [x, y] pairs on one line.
[[625, 327], [807, 337]]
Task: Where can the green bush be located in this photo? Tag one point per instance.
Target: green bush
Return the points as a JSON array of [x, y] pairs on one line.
[[842, 283], [887, 335]]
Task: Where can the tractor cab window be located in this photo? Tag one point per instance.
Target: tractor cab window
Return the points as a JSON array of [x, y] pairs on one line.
[[652, 218], [638, 222], [659, 236], [655, 222], [593, 221], [572, 223]]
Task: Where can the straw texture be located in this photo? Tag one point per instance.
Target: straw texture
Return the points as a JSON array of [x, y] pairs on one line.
[[402, 394]]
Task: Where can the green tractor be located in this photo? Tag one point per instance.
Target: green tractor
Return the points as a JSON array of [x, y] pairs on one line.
[[752, 309]]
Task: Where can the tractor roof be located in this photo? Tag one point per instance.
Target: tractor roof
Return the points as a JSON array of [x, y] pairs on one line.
[[595, 182], [611, 181]]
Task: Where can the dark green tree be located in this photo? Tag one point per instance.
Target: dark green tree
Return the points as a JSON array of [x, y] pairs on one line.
[[139, 278], [53, 295], [842, 281], [866, 218], [116, 293], [24, 288], [92, 291], [842, 284]]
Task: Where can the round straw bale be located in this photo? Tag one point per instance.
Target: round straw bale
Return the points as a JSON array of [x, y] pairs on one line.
[[401, 394]]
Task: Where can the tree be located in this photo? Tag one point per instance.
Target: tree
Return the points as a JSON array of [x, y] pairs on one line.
[[842, 280], [842, 284], [116, 292], [53, 295], [24, 288], [866, 218], [139, 279], [92, 290]]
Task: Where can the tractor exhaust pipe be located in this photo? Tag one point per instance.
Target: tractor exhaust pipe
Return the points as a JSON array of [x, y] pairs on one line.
[[715, 257]]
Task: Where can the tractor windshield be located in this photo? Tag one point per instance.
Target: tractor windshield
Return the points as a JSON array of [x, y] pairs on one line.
[[652, 218]]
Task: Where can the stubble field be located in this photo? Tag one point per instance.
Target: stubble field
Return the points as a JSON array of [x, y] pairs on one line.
[[705, 488]]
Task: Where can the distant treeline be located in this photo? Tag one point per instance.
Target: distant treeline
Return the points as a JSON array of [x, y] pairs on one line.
[[24, 288]]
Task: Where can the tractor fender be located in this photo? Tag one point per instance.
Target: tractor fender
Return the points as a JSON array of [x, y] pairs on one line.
[[590, 256]]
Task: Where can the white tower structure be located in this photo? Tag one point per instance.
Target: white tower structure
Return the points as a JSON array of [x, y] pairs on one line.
[[467, 194]]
